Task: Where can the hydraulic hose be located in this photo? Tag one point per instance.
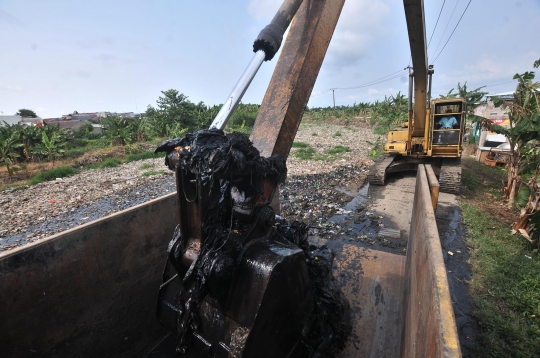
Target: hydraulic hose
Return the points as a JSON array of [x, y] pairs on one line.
[[265, 47], [270, 38]]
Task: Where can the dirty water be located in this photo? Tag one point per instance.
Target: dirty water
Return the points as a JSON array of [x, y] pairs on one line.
[[456, 256]]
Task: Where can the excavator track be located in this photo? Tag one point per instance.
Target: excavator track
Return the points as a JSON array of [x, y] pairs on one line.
[[450, 176], [377, 173]]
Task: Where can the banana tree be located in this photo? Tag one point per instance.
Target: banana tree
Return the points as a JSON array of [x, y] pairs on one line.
[[9, 148], [524, 118]]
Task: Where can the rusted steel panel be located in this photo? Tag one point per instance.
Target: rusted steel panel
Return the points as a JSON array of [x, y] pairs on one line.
[[89, 291], [374, 287], [433, 186], [414, 14], [294, 76], [429, 323]]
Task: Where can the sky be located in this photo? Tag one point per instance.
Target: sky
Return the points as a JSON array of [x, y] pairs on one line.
[[60, 56]]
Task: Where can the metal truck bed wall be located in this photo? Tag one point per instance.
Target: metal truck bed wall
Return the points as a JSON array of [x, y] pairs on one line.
[[89, 291], [429, 324]]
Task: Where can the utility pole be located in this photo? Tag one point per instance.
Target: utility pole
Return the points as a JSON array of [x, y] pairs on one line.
[[334, 96]]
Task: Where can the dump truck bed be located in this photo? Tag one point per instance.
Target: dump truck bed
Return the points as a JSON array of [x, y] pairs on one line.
[[91, 291]]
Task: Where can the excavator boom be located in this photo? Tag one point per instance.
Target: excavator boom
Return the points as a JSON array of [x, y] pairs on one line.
[[416, 27]]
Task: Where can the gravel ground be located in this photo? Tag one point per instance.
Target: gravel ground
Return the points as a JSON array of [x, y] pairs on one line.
[[38, 211]]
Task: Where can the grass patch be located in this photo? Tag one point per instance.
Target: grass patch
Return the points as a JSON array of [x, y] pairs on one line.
[[338, 134], [107, 163], [304, 153], [145, 166], [505, 288], [338, 149], [52, 174], [300, 145], [479, 178], [314, 134], [81, 146], [154, 172], [144, 155], [505, 285]]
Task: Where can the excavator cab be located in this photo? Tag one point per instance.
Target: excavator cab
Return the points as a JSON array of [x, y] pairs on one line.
[[448, 122]]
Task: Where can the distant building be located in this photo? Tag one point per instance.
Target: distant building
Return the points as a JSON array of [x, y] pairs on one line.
[[64, 124], [10, 119], [26, 121], [84, 116], [497, 115], [102, 115]]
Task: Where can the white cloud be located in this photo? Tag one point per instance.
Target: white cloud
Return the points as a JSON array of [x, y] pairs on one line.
[[489, 67], [373, 91], [360, 24]]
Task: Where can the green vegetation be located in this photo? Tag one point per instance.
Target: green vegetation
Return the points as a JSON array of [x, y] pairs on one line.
[[376, 149], [300, 145], [338, 149], [314, 134], [144, 155], [305, 153], [345, 112], [145, 166], [504, 287], [27, 113], [52, 174], [337, 134]]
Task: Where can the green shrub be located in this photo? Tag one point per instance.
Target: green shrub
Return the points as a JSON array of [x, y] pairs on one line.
[[107, 163], [300, 145], [304, 153], [338, 149], [52, 174], [144, 155]]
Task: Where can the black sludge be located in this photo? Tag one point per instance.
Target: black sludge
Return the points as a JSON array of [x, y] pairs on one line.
[[230, 177], [329, 325]]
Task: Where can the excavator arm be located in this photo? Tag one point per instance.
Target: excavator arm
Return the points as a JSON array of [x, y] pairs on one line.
[[416, 27]]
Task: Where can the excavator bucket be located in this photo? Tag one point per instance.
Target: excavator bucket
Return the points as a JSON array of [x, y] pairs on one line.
[[235, 282]]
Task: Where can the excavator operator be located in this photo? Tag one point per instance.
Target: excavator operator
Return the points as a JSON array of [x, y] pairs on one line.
[[448, 122]]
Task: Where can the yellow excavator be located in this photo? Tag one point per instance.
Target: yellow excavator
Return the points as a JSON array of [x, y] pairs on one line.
[[434, 131]]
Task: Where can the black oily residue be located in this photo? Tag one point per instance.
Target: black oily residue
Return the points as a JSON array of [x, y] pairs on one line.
[[329, 325], [224, 163], [219, 162], [210, 154]]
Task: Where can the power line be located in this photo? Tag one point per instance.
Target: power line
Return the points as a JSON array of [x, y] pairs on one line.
[[446, 27], [389, 77], [498, 84], [464, 11], [379, 80], [440, 12]]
